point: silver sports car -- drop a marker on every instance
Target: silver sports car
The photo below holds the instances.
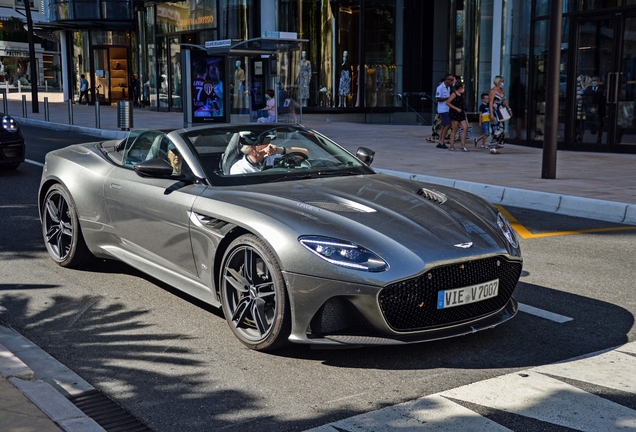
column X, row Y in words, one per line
column 296, row 239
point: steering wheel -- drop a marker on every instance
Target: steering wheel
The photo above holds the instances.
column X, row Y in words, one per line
column 289, row 160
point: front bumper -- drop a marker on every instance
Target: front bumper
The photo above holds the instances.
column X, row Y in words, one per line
column 335, row 313
column 12, row 150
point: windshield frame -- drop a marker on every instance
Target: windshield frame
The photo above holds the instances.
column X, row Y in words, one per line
column 209, row 155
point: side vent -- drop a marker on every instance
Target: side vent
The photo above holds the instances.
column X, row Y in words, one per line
column 211, row 222
column 431, row 195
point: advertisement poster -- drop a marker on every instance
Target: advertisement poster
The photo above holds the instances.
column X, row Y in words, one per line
column 207, row 88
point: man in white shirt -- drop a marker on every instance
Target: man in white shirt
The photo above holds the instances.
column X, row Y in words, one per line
column 441, row 95
column 254, row 157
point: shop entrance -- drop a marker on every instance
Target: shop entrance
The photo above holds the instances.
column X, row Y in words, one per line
column 111, row 74
column 605, row 87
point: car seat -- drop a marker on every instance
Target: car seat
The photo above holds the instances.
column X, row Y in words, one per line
column 232, row 153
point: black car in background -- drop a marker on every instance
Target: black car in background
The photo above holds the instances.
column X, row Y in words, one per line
column 11, row 143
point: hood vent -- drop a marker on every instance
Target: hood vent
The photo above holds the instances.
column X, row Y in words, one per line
column 431, row 195
column 342, row 207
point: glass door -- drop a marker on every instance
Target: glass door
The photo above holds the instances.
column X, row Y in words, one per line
column 624, row 95
column 101, row 80
column 605, row 86
column 174, row 45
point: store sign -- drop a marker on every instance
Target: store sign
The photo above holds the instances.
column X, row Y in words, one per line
column 168, row 13
column 279, row 35
column 218, row 43
column 202, row 20
column 9, row 53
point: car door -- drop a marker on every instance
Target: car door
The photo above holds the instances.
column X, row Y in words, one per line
column 151, row 216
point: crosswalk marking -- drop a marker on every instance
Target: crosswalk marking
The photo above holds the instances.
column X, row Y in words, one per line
column 536, row 394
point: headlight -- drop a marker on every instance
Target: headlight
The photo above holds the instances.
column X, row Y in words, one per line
column 507, row 230
column 344, row 254
column 9, row 124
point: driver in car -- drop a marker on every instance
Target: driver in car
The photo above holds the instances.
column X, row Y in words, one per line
column 258, row 156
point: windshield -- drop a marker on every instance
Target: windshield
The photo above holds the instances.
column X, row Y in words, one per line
column 268, row 153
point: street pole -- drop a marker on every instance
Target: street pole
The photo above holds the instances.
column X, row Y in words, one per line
column 32, row 59
column 548, row 169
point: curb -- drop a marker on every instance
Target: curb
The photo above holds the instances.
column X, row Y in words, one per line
column 609, row 211
column 101, row 133
column 50, row 401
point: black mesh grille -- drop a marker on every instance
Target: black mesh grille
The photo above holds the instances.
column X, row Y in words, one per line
column 412, row 304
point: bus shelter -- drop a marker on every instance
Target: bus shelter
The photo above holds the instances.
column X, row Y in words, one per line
column 231, row 81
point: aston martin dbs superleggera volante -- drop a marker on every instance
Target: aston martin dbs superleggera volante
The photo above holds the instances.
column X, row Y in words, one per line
column 295, row 238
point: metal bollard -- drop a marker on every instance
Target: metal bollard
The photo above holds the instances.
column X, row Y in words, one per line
column 19, row 86
column 24, row 109
column 70, row 111
column 124, row 115
column 46, row 109
column 97, row 119
column 5, row 102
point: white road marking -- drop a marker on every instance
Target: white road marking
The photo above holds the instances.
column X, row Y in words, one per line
column 537, row 396
column 528, row 393
column 543, row 313
column 34, row 162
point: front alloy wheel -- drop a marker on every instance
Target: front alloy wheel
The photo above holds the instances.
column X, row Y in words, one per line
column 60, row 226
column 253, row 295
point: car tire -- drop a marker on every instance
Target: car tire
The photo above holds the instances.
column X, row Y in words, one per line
column 61, row 229
column 253, row 296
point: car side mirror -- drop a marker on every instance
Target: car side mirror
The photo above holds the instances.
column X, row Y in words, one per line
column 365, row 155
column 156, row 168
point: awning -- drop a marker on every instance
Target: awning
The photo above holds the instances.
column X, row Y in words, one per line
column 7, row 13
column 256, row 46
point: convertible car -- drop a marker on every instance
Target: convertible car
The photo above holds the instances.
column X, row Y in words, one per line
column 311, row 246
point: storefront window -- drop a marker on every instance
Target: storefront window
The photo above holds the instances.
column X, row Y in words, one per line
column 237, row 19
column 149, row 82
column 596, row 4
column 327, row 74
column 379, row 37
column 516, row 63
column 540, row 53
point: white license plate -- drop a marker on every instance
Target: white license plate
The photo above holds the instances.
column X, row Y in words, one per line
column 469, row 294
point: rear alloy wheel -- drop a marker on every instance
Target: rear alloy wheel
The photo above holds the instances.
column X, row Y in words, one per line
column 253, row 295
column 60, row 227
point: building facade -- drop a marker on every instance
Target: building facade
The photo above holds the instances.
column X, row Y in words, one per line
column 374, row 60
column 14, row 48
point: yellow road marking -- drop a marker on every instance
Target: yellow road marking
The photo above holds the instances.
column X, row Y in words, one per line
column 523, row 232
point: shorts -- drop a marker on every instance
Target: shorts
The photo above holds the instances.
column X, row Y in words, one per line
column 446, row 121
column 485, row 127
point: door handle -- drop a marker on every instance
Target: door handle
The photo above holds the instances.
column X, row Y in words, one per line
column 616, row 86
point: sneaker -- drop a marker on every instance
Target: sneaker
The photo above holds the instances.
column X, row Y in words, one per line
column 475, row 141
column 494, row 151
column 442, row 146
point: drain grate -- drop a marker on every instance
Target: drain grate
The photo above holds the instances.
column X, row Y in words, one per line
column 107, row 413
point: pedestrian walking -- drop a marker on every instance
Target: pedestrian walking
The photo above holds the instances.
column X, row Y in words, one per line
column 136, row 88
column 484, row 120
column 457, row 111
column 441, row 95
column 83, row 89
column 499, row 113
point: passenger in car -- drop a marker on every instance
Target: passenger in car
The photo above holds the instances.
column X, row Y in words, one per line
column 174, row 157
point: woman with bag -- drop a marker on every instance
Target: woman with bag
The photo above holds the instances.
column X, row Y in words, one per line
column 499, row 113
column 457, row 113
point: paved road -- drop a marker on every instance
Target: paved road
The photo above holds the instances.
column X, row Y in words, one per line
column 175, row 365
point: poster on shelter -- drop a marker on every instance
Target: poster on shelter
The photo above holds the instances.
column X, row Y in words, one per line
column 207, row 88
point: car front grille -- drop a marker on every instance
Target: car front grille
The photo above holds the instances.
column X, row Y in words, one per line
column 412, row 304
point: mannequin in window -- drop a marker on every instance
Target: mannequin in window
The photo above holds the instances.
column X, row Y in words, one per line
column 239, row 86
column 304, row 77
column 345, row 80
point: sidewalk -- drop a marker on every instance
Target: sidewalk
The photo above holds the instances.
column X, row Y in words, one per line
column 595, row 185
